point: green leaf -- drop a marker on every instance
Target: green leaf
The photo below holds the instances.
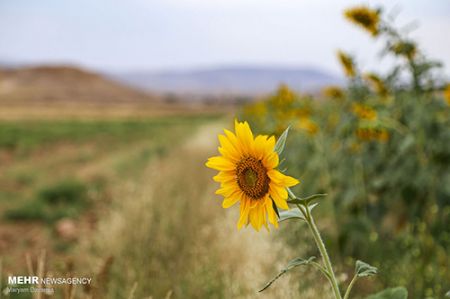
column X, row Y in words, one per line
column 295, row 213
column 305, row 200
column 363, row 269
column 392, row 293
column 312, row 206
column 292, row 264
column 291, row 214
column 279, row 146
column 447, row 294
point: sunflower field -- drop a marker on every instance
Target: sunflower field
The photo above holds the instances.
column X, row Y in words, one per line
column 380, row 148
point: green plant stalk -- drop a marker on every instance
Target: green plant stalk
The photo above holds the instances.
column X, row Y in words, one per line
column 350, row 286
column 323, row 251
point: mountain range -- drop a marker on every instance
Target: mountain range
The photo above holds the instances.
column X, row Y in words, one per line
column 239, row 80
column 215, row 81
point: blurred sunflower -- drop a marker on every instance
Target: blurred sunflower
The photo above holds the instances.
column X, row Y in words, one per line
column 377, row 84
column 404, row 48
column 248, row 175
column 447, row 94
column 333, row 92
column 306, row 124
column 364, row 112
column 364, row 17
column 257, row 111
column 347, row 64
column 372, row 134
column 284, row 96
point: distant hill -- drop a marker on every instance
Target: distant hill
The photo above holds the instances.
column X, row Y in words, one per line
column 59, row 84
column 229, row 80
column 67, row 92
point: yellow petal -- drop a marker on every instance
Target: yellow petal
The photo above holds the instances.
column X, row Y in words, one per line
column 233, row 140
column 228, row 147
column 225, row 153
column 230, row 201
column 262, row 215
column 220, row 163
column 243, row 219
column 271, row 212
column 260, row 146
column 289, row 181
column 227, row 190
column 279, row 195
column 281, row 179
column 272, row 215
column 224, row 177
column 252, row 203
column 245, row 136
column 271, row 160
column 253, row 215
column 271, row 143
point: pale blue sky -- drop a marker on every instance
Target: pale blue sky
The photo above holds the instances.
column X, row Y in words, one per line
column 125, row 35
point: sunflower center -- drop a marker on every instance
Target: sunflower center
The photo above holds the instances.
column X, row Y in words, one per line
column 252, row 177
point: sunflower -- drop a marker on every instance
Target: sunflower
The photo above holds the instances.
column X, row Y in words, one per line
column 248, row 175
column 283, row 97
column 447, row 94
column 377, row 84
column 306, row 124
column 406, row 49
column 347, row 64
column 364, row 17
column 333, row 92
column 364, row 112
column 372, row 134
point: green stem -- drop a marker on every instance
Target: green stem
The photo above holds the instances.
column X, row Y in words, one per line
column 350, row 286
column 323, row 252
column 323, row 270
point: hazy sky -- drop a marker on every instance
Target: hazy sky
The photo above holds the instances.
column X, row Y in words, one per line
column 166, row 34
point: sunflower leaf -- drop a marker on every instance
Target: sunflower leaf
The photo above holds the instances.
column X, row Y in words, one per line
column 305, row 200
column 363, row 269
column 312, row 206
column 291, row 214
column 279, row 146
column 292, row 264
column 295, row 213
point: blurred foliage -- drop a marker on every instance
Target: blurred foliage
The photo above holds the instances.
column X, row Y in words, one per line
column 67, row 198
column 47, row 165
column 380, row 147
column 25, row 136
column 393, row 293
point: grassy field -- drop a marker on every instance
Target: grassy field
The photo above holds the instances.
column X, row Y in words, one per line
column 57, row 156
column 130, row 204
column 53, row 169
